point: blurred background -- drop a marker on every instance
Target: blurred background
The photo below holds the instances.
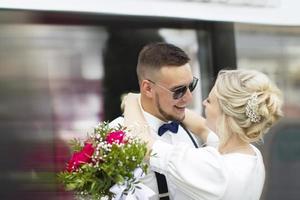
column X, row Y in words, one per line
column 64, row 70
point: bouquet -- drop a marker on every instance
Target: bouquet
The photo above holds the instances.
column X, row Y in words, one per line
column 109, row 157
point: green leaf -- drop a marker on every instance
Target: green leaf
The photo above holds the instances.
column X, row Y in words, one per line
column 75, row 145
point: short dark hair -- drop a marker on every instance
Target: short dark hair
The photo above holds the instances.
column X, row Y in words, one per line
column 156, row 55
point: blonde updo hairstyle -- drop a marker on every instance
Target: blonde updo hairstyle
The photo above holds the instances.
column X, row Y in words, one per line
column 233, row 89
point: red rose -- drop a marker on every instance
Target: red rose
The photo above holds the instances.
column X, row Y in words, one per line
column 88, row 150
column 115, row 137
column 79, row 158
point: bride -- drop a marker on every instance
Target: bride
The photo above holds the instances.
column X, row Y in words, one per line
column 240, row 109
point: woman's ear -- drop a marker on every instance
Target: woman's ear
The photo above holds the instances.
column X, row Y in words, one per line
column 147, row 88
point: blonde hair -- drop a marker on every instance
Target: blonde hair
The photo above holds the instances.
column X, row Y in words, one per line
column 234, row 89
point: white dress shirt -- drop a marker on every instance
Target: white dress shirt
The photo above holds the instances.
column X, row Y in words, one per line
column 170, row 138
column 205, row 174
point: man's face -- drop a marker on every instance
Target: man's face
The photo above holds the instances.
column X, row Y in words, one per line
column 169, row 79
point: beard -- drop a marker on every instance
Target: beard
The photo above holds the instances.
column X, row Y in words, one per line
column 168, row 117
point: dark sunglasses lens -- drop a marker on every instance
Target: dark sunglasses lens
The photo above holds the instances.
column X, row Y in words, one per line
column 193, row 84
column 179, row 92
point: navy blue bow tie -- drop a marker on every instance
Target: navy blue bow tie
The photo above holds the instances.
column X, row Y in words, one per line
column 173, row 127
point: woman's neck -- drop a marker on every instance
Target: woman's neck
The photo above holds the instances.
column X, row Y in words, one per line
column 236, row 145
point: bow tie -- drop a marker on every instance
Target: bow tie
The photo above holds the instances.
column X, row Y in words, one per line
column 172, row 126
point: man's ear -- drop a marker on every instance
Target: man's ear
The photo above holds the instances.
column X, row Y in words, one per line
column 147, row 88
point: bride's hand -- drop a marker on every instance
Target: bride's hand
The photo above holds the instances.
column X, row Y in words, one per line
column 132, row 111
column 129, row 98
column 196, row 123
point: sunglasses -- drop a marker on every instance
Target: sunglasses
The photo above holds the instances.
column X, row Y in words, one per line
column 180, row 91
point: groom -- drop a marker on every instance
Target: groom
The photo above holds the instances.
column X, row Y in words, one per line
column 166, row 84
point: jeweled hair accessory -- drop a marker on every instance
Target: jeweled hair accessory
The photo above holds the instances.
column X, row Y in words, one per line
column 252, row 109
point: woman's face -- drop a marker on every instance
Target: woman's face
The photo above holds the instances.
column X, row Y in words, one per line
column 212, row 110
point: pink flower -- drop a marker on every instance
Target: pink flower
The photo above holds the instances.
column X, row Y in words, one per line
column 79, row 158
column 116, row 137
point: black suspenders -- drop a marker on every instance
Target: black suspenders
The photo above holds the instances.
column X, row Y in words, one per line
column 190, row 135
column 162, row 185
column 161, row 179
